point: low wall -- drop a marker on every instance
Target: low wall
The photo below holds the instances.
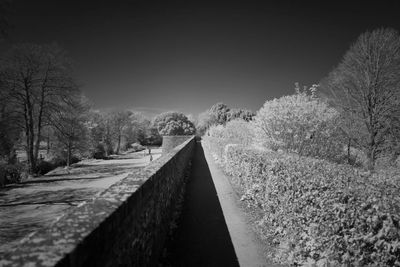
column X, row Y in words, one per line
column 125, row 226
column 171, row 141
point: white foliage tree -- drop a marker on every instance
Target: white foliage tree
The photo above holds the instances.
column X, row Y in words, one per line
column 299, row 123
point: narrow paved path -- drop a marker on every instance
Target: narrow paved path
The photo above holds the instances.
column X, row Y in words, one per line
column 202, row 237
column 248, row 246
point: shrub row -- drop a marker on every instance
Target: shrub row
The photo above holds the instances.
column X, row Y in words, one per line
column 317, row 212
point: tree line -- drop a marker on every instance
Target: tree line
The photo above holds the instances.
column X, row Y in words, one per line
column 356, row 106
column 42, row 108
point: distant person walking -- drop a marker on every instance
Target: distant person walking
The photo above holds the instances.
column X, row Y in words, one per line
column 151, row 156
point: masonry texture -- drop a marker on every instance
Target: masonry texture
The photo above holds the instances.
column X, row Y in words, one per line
column 169, row 142
column 125, row 226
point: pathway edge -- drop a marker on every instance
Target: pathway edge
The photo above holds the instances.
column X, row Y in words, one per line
column 243, row 238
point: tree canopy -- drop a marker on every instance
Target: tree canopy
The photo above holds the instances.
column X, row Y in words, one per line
column 220, row 114
column 299, row 123
column 365, row 88
column 36, row 80
column 173, row 123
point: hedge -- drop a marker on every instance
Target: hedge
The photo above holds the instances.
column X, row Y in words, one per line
column 317, row 212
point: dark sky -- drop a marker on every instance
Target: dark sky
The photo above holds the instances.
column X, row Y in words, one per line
column 187, row 55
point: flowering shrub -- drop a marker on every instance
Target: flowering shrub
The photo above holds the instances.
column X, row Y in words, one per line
column 317, row 212
column 299, row 123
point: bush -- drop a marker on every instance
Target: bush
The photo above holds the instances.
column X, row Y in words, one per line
column 62, row 161
column 357, row 157
column 44, row 167
column 299, row 123
column 10, row 173
column 318, row 212
column 99, row 152
column 137, row 147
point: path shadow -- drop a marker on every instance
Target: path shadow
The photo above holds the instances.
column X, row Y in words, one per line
column 202, row 237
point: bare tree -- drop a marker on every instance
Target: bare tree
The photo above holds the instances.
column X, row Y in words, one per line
column 102, row 131
column 120, row 123
column 107, row 138
column 365, row 87
column 141, row 126
column 37, row 80
column 70, row 126
column 97, row 131
column 9, row 132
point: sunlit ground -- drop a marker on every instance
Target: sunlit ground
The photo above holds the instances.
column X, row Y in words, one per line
column 39, row 202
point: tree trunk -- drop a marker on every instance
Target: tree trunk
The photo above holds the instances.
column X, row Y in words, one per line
column 31, row 156
column 119, row 144
column 69, row 153
column 38, row 137
column 39, row 123
column 29, row 131
column 371, row 161
column 37, row 144
column 30, row 137
column 12, row 157
column 28, row 158
column 348, row 150
column 48, row 143
column 371, row 152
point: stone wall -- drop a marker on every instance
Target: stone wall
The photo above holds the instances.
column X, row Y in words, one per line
column 171, row 141
column 125, row 226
